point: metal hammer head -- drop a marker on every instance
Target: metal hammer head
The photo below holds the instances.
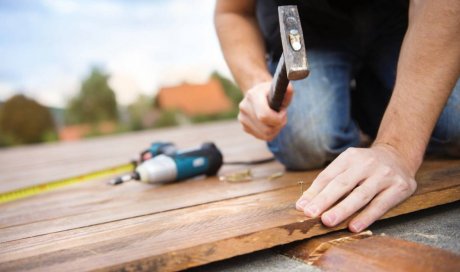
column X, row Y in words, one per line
column 294, row 53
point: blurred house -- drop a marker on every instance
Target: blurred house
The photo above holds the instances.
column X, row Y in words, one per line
column 195, row 99
column 76, row 132
column 72, row 133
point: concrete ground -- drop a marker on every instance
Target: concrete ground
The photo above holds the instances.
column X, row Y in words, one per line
column 437, row 227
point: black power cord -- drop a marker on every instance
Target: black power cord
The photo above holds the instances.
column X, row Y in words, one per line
column 254, row 162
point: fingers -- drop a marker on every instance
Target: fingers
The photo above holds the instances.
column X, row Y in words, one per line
column 341, row 185
column 375, row 177
column 258, row 130
column 257, row 118
column 334, row 169
column 383, row 202
column 357, row 199
column 263, row 112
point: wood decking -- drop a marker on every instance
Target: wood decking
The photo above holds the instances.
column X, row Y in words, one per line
column 136, row 226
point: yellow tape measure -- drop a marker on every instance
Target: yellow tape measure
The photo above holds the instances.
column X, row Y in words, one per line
column 40, row 188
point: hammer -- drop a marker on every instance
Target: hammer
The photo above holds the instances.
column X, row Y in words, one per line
column 293, row 61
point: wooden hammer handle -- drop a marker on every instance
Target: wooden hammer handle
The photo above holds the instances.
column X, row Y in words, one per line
column 279, row 86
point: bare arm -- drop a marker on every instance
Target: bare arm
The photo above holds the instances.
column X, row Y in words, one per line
column 244, row 51
column 241, row 42
column 429, row 66
column 380, row 177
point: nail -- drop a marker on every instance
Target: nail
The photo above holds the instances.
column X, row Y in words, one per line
column 311, row 211
column 302, row 203
column 301, row 187
column 357, row 227
column 329, row 218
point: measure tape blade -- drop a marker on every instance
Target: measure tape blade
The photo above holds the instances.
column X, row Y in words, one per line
column 40, row 188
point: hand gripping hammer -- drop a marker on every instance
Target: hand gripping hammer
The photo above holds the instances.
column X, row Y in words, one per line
column 293, row 61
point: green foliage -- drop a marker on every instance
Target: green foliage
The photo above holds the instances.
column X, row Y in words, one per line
column 167, row 118
column 138, row 110
column 24, row 121
column 50, row 136
column 230, row 89
column 95, row 103
column 94, row 132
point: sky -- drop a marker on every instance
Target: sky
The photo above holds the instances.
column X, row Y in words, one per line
column 47, row 47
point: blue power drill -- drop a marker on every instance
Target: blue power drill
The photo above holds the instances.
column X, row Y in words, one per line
column 178, row 165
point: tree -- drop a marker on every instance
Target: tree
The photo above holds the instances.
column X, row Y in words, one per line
column 24, row 121
column 139, row 111
column 168, row 118
column 95, row 103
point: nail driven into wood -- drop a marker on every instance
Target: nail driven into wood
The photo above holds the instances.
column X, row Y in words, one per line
column 301, row 186
column 229, row 233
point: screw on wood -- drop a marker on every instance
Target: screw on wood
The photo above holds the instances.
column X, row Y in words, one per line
column 301, row 186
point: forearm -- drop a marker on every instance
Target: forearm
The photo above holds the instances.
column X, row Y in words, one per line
column 429, row 66
column 241, row 42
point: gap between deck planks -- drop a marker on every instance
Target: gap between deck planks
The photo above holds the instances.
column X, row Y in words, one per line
column 200, row 234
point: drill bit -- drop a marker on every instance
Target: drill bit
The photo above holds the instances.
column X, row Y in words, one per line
column 120, row 180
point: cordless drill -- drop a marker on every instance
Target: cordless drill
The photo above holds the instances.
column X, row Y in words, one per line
column 180, row 165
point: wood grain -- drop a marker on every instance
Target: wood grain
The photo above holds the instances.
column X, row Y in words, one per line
column 93, row 226
column 200, row 234
column 382, row 253
column 310, row 250
column 30, row 165
column 125, row 203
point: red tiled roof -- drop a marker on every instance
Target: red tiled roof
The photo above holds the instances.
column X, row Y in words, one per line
column 195, row 99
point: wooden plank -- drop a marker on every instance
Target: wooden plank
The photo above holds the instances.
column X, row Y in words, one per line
column 187, row 237
column 124, row 202
column 311, row 250
column 98, row 195
column 97, row 203
column 30, row 165
column 382, row 253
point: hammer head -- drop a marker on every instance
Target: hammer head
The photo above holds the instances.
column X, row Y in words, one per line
column 294, row 53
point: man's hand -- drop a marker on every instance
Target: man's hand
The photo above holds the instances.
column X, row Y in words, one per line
column 257, row 117
column 377, row 175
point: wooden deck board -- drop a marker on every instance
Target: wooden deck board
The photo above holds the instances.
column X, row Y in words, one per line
column 381, row 253
column 137, row 226
column 30, row 165
column 186, row 237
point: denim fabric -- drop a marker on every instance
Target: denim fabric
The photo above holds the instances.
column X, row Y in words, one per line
column 445, row 139
column 343, row 94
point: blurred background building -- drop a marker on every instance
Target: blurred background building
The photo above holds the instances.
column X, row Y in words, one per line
column 71, row 69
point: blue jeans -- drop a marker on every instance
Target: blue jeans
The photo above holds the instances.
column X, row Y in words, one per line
column 344, row 94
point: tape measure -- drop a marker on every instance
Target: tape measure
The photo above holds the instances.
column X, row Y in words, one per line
column 40, row 188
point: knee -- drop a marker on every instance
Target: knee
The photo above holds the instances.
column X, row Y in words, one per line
column 453, row 110
column 445, row 139
column 307, row 150
column 449, row 147
column 453, row 148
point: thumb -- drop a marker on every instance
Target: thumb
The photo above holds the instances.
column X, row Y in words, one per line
column 288, row 96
